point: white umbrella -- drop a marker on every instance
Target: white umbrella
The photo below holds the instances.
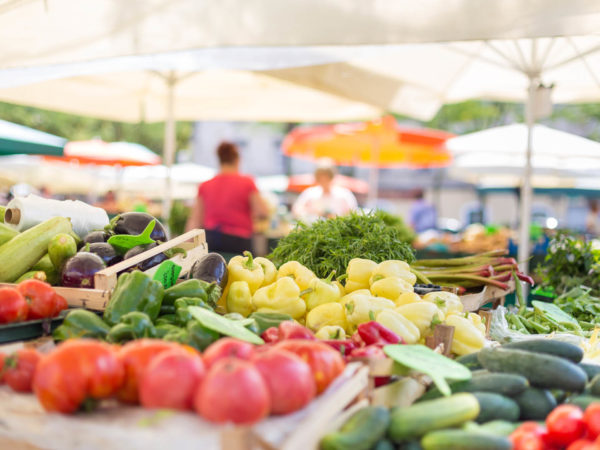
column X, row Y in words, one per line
column 36, row 32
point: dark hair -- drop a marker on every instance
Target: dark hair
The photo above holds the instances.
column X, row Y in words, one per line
column 227, row 152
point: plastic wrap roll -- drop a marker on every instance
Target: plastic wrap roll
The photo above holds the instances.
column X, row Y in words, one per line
column 23, row 213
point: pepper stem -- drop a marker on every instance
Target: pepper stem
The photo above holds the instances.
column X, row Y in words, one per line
column 329, row 277
column 250, row 261
column 305, row 291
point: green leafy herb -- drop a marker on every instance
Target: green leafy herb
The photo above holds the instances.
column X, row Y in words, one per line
column 329, row 244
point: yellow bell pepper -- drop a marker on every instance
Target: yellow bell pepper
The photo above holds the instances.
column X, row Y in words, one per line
column 359, row 271
column 326, row 314
column 448, row 302
column 475, row 319
column 321, row 292
column 393, row 268
column 243, row 268
column 239, row 298
column 296, row 271
column 283, row 296
column 407, row 298
column 340, row 288
column 331, row 332
column 391, row 287
column 467, row 337
column 364, row 308
column 400, row 325
column 424, row 315
column 269, row 270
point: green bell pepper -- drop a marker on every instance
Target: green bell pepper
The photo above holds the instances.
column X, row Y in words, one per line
column 167, row 309
column 164, row 329
column 265, row 320
column 199, row 336
column 81, row 323
column 135, row 291
column 133, row 325
column 188, row 288
column 182, row 315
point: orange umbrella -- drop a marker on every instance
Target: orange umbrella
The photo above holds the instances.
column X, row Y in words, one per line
column 298, row 183
column 96, row 151
column 380, row 143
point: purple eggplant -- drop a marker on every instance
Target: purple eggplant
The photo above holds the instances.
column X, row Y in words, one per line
column 211, row 268
column 135, row 223
column 79, row 270
column 95, row 236
column 148, row 263
column 105, row 251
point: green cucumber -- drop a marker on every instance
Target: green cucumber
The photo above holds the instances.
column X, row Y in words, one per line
column 19, row 254
column 464, row 440
column 498, row 427
column 545, row 371
column 594, row 385
column 470, row 361
column 591, row 370
column 6, row 233
column 583, row 401
column 420, row 418
column 500, row 383
column 496, row 407
column 60, row 248
column 360, row 432
column 46, row 266
column 535, row 404
column 550, row 347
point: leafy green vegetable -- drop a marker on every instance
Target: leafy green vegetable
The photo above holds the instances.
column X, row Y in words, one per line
column 329, row 244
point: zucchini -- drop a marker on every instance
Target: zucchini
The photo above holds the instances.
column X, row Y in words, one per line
column 583, row 401
column 545, row 371
column 420, row 418
column 550, row 347
column 470, row 361
column 500, row 383
column 60, row 248
column 2, row 211
column 591, row 370
column 6, row 233
column 361, row 431
column 464, row 440
column 496, row 407
column 19, row 254
column 32, row 274
column 595, row 386
column 46, row 266
column 535, row 404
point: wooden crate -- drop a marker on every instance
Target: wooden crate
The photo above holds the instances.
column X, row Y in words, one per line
column 113, row 426
column 489, row 294
column 106, row 279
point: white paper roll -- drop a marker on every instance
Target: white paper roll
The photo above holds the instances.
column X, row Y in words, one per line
column 34, row 210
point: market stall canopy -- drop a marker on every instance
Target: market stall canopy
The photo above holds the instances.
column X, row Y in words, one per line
column 501, row 151
column 59, row 31
column 18, row 139
column 98, row 152
column 380, row 143
column 298, row 183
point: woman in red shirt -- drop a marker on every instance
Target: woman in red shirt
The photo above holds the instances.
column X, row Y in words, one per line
column 227, row 204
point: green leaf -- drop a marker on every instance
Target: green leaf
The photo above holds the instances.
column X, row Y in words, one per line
column 554, row 312
column 125, row 242
column 167, row 273
column 424, row 360
column 220, row 324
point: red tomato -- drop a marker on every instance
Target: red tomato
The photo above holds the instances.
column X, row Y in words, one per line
column 289, row 380
column 565, row 424
column 171, row 380
column 13, row 306
column 135, row 357
column 76, row 370
column 583, row 444
column 19, row 369
column 40, row 297
column 325, row 363
column 233, row 391
column 227, row 347
column 289, row 329
column 60, row 303
column 591, row 417
column 529, row 436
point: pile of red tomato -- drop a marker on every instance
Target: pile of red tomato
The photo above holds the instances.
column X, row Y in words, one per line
column 567, row 427
column 232, row 381
column 29, row 300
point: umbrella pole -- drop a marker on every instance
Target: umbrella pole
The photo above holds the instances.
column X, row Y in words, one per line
column 526, row 190
column 169, row 144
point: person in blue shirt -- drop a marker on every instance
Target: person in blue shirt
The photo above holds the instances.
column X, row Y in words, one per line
column 423, row 215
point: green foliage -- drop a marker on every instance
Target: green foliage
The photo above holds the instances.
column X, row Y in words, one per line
column 76, row 128
column 569, row 263
column 178, row 217
column 329, row 244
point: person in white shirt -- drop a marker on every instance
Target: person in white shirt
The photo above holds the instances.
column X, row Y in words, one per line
column 325, row 199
